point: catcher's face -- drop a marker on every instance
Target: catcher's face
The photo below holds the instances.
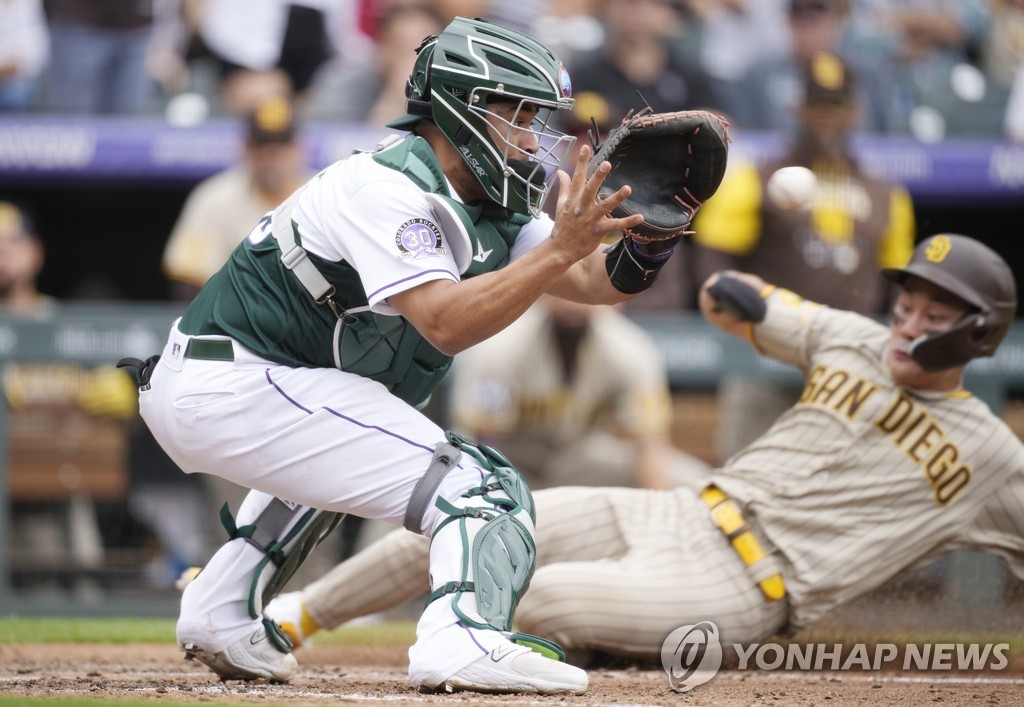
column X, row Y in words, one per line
column 921, row 309
column 512, row 126
column 529, row 149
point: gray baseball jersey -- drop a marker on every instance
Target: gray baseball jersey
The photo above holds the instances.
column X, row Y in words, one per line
column 858, row 481
column 863, row 478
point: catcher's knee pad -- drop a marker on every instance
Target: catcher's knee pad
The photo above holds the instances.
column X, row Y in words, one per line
column 495, row 524
column 286, row 533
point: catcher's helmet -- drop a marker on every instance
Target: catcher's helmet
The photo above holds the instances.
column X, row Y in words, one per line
column 470, row 63
column 974, row 273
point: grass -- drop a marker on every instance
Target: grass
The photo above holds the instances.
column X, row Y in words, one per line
column 15, row 629
column 402, row 633
column 22, row 701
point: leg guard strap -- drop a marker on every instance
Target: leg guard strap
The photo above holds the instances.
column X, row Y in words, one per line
column 286, row 551
column 504, row 476
column 445, row 458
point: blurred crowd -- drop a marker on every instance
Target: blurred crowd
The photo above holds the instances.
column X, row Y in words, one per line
column 928, row 68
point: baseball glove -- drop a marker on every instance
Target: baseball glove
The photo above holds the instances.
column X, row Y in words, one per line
column 673, row 162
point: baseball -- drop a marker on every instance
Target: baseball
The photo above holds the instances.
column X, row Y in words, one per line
column 792, row 188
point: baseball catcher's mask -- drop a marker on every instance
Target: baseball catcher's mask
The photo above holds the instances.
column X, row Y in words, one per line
column 974, row 273
column 456, row 81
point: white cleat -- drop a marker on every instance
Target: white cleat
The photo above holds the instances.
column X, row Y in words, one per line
column 289, row 611
column 249, row 658
column 513, row 668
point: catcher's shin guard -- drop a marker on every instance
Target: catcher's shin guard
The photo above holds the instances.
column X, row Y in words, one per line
column 492, row 525
column 286, row 533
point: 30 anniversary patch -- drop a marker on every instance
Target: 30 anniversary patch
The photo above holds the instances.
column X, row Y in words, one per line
column 419, row 238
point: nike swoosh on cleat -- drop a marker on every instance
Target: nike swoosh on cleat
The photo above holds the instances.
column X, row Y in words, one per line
column 257, row 637
column 499, row 653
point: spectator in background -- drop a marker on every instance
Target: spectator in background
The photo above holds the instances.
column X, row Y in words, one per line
column 220, row 211
column 561, row 394
column 262, row 49
column 570, row 27
column 24, row 52
column 933, row 45
column 1002, row 55
column 771, row 89
column 736, row 35
column 98, row 56
column 371, row 89
column 1013, row 121
column 643, row 54
column 645, row 57
column 1002, row 49
column 927, row 36
column 830, row 252
column 21, row 260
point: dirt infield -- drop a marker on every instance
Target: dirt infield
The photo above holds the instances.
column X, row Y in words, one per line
column 372, row 674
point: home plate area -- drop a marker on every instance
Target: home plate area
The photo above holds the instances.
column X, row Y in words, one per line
column 367, row 674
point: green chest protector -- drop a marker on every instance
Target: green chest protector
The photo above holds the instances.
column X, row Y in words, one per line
column 491, row 229
column 385, row 348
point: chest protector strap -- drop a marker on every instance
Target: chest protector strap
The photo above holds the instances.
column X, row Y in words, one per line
column 295, row 258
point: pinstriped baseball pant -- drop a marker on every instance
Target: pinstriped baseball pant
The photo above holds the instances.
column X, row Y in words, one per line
column 618, row 569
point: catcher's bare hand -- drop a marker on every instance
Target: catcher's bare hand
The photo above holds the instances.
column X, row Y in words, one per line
column 583, row 217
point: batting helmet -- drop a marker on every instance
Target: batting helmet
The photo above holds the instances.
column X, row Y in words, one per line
column 974, row 273
column 470, row 63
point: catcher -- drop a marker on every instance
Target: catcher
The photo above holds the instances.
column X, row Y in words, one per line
column 299, row 369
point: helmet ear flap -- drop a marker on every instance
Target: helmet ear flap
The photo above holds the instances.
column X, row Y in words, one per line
column 934, row 352
column 973, row 336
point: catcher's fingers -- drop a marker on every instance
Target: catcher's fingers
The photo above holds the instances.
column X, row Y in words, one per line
column 571, row 188
column 584, row 189
column 596, row 209
column 583, row 196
